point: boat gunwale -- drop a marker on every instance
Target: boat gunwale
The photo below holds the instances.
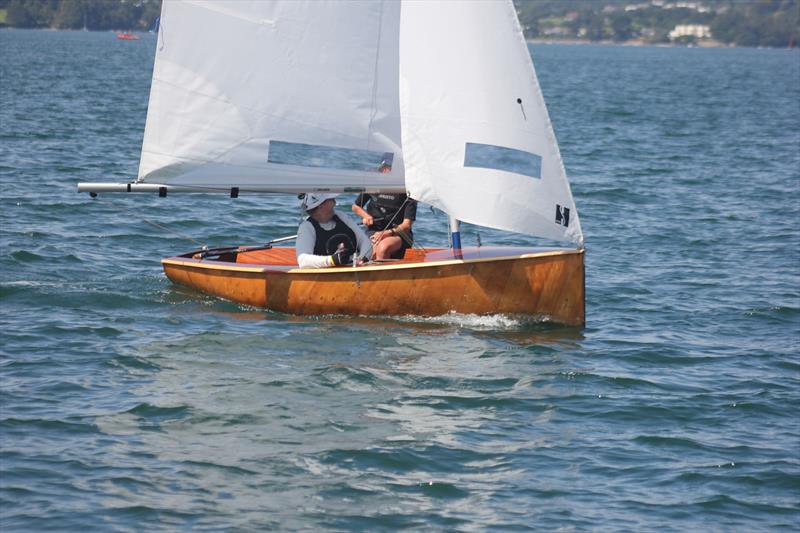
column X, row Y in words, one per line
column 291, row 269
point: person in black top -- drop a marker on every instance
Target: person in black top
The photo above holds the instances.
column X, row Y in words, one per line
column 326, row 239
column 389, row 219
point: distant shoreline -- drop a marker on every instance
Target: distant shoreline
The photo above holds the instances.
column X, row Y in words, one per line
column 701, row 44
column 634, row 42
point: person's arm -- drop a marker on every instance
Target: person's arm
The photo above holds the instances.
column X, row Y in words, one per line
column 405, row 225
column 366, row 218
column 363, row 243
column 402, row 230
column 304, row 248
column 409, row 215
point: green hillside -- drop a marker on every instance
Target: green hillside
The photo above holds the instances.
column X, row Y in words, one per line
column 773, row 23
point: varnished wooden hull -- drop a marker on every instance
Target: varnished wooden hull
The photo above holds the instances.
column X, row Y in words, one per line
column 542, row 283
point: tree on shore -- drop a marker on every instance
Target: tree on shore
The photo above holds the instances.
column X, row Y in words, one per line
column 763, row 23
column 80, row 14
column 744, row 23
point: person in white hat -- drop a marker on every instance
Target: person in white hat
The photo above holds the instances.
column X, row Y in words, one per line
column 327, row 239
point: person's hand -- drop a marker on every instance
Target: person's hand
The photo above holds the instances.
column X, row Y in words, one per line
column 378, row 236
column 368, row 220
column 342, row 257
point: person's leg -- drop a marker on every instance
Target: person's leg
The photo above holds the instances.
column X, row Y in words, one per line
column 400, row 253
column 388, row 246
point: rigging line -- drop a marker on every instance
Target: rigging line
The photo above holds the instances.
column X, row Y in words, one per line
column 155, row 224
column 401, row 208
column 414, row 242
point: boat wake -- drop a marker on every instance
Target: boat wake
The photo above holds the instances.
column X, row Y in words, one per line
column 478, row 322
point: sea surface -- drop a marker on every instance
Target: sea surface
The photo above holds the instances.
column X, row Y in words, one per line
column 131, row 404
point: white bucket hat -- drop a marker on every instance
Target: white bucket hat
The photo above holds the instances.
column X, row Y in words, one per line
column 310, row 200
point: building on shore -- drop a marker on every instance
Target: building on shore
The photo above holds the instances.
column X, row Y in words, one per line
column 698, row 31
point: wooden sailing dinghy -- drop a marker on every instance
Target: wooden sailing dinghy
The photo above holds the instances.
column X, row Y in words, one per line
column 543, row 283
column 293, row 96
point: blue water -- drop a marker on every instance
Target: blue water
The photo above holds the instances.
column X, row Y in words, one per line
column 130, row 404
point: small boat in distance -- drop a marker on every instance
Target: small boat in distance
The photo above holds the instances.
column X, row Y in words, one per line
column 435, row 99
column 125, row 36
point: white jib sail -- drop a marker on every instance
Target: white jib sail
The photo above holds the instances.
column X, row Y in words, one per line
column 476, row 136
column 275, row 96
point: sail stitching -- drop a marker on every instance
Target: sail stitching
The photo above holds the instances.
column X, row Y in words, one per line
column 375, row 78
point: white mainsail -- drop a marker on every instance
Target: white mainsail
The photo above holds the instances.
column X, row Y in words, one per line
column 231, row 77
column 467, row 82
column 266, row 95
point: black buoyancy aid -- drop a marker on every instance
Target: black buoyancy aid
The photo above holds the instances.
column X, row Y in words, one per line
column 385, row 210
column 327, row 241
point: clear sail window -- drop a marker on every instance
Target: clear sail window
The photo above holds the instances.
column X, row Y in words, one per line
column 502, row 158
column 318, row 156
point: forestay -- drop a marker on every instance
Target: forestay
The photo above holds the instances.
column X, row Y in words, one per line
column 275, row 96
column 476, row 136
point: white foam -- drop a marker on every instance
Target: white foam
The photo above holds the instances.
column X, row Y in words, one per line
column 477, row 322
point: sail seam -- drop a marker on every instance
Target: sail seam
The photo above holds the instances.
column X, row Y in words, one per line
column 228, row 13
column 375, row 79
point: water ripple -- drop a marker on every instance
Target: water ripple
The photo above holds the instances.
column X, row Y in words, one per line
column 129, row 404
